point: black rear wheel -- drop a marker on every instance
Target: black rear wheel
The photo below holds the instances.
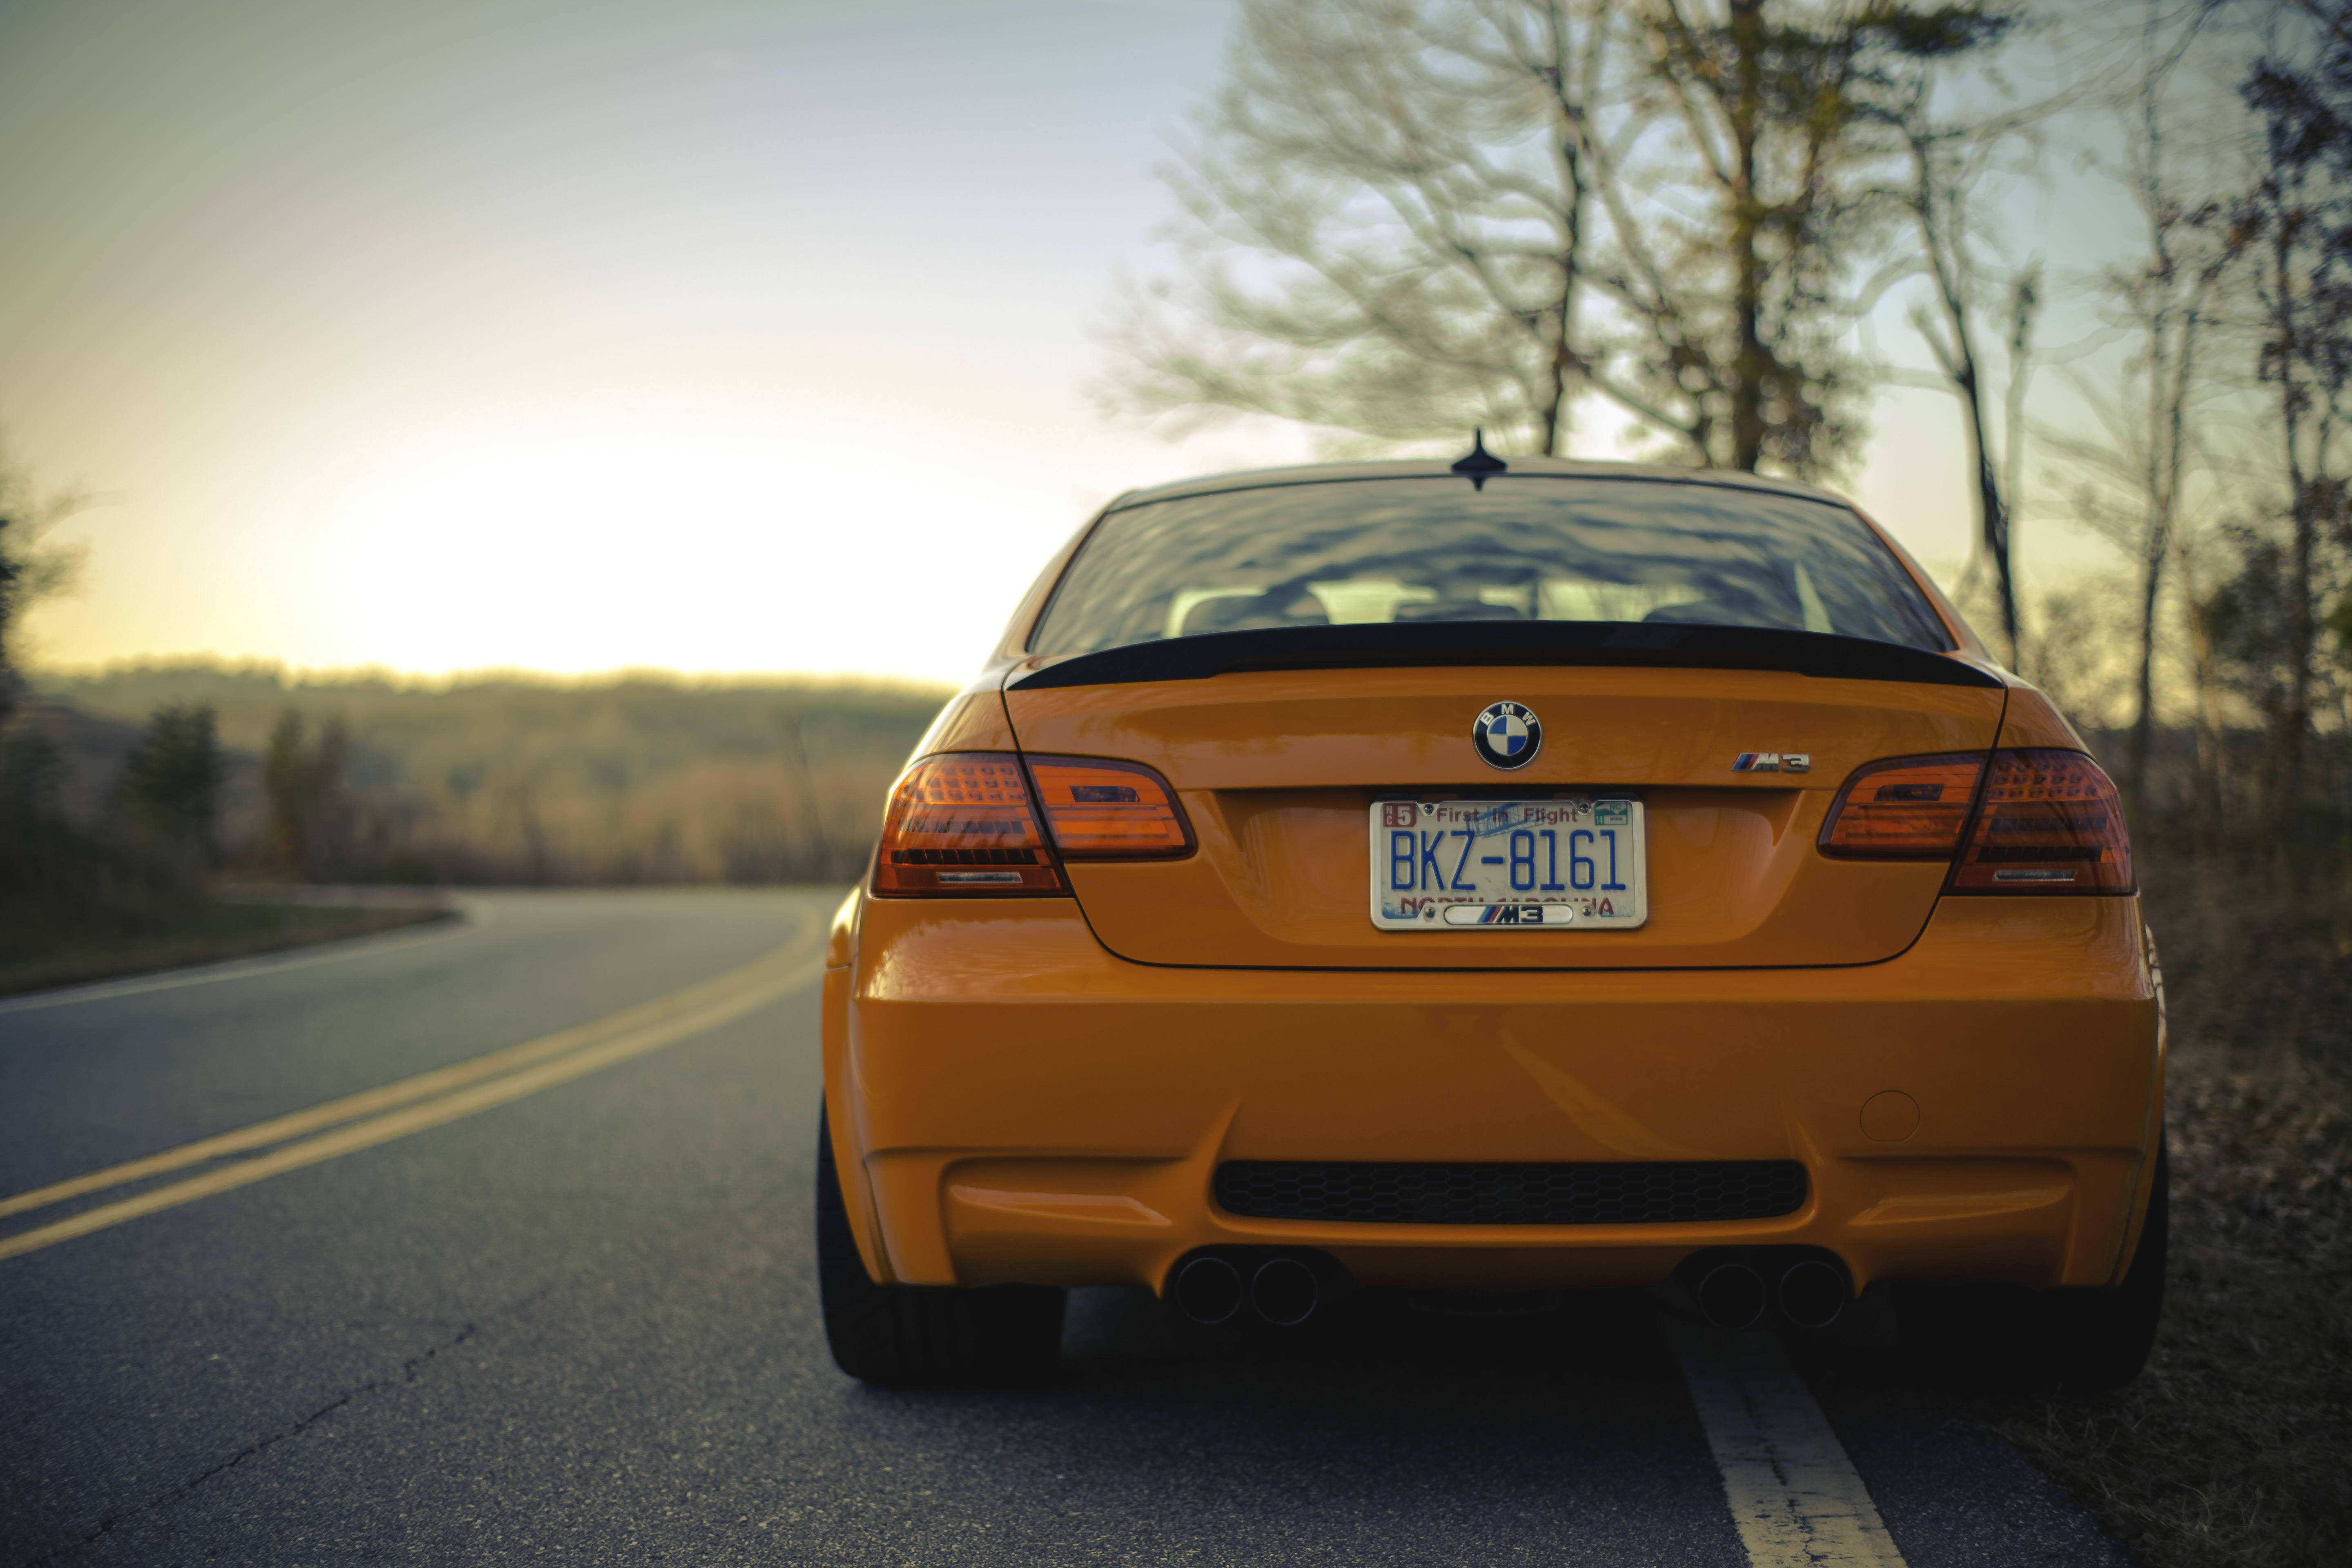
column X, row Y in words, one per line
column 2084, row 1340
column 915, row 1334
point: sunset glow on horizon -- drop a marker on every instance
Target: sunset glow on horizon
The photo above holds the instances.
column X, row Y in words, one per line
column 715, row 337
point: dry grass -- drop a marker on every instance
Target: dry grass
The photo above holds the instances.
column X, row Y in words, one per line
column 520, row 779
column 40, row 958
column 2235, row 1446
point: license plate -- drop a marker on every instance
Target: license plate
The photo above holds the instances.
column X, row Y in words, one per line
column 1509, row 865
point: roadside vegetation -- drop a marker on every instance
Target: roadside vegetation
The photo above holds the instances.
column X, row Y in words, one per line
column 112, row 877
column 512, row 778
column 130, row 801
column 2235, row 1445
column 130, row 937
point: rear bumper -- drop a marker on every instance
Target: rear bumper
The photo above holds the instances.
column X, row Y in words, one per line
column 1012, row 1103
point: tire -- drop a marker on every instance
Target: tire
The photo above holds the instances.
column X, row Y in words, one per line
column 2084, row 1339
column 913, row 1335
column 2092, row 1341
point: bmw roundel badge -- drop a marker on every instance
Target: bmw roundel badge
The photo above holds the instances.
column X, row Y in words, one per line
column 1508, row 735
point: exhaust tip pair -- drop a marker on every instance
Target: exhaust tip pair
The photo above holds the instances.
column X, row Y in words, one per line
column 1802, row 1290
column 1212, row 1288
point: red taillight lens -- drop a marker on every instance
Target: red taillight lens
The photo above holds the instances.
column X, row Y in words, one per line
column 1109, row 811
column 1905, row 808
column 962, row 823
column 2051, row 822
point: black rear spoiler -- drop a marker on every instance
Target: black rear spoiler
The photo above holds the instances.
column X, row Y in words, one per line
column 1621, row 644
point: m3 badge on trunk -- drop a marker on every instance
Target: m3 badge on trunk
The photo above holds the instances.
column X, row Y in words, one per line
column 1508, row 735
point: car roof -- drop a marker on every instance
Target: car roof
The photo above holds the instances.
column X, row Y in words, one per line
column 1442, row 468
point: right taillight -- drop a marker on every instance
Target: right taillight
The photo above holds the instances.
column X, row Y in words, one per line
column 2015, row 821
column 2051, row 822
column 964, row 823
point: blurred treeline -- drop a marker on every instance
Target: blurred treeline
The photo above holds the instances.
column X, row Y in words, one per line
column 250, row 773
column 59, row 870
column 130, row 799
column 1735, row 226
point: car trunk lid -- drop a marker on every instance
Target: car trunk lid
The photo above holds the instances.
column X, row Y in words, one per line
column 1278, row 770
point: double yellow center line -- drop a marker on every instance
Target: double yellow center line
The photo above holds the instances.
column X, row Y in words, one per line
column 361, row 1120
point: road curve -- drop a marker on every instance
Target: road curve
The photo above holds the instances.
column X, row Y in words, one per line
column 571, row 1320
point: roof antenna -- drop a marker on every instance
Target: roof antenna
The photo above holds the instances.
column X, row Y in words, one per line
column 1479, row 464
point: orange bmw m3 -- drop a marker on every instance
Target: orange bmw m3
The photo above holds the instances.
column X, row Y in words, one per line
column 1491, row 876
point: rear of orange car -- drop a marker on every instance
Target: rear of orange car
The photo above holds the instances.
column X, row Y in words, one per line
column 1565, row 877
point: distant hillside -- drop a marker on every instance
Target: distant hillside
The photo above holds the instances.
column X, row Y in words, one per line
column 516, row 778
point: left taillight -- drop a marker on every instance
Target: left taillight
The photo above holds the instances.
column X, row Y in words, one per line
column 1101, row 810
column 964, row 823
column 1903, row 808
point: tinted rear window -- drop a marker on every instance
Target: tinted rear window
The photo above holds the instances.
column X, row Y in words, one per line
column 1525, row 548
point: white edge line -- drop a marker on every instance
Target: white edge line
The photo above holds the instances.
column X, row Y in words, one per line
column 472, row 915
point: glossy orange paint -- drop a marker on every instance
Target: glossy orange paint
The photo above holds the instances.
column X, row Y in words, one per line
column 1024, row 1105
column 1269, row 767
column 1039, row 1089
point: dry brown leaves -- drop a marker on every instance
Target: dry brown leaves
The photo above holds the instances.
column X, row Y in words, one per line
column 2235, row 1445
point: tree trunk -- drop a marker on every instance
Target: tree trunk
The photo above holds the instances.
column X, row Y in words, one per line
column 1553, row 416
column 1992, row 509
column 1748, row 376
column 2300, row 635
column 2294, row 720
column 2210, row 825
column 2144, row 724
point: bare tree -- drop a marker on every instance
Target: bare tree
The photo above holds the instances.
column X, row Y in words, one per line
column 1407, row 217
column 2298, row 214
column 308, row 798
column 1951, row 158
column 2195, row 551
column 1388, row 202
column 1786, row 121
column 2163, row 305
column 30, row 568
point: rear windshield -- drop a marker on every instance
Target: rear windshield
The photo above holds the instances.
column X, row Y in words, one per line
column 1529, row 548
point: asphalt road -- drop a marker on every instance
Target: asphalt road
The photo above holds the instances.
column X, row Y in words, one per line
column 578, row 1326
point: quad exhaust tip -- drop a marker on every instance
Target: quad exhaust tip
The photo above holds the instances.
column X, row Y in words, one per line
column 1208, row 1289
column 1282, row 1288
column 1284, row 1292
column 1811, row 1294
column 1756, row 1288
column 1732, row 1295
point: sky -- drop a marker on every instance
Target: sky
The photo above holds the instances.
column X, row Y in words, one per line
column 713, row 337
